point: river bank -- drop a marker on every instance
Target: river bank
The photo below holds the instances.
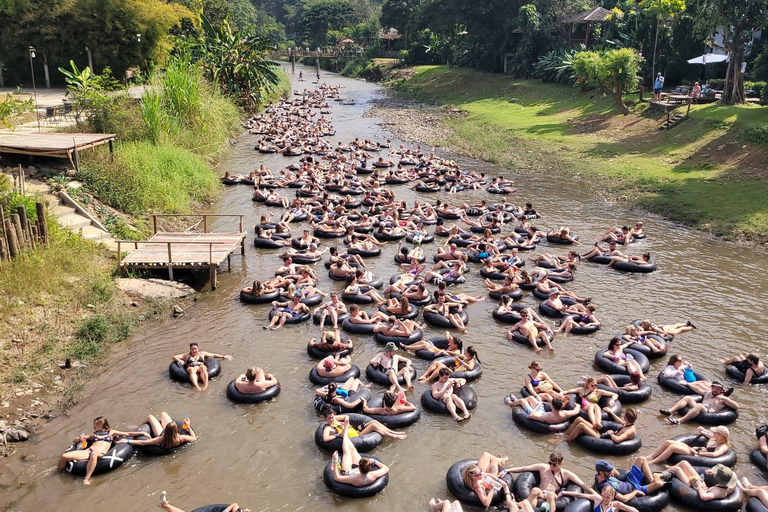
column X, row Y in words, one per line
column 709, row 172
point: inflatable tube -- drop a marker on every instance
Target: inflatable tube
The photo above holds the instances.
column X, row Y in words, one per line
column 626, row 266
column 607, row 446
column 699, row 441
column 381, row 378
column 413, row 313
column 301, row 317
column 608, row 366
column 396, row 181
column 157, row 450
column 651, row 502
column 328, row 320
column 251, row 398
column 351, row 491
column 465, row 392
column 602, row 260
column 426, row 239
column 376, row 282
column 399, row 340
column 547, row 310
column 428, row 355
column 687, row 496
column 304, row 260
column 514, row 295
column 559, row 241
column 421, row 302
column 527, row 480
column 362, row 392
column 646, row 350
column 436, row 320
column 261, row 299
column 321, row 381
column 468, row 375
column 738, row 375
column 268, row 243
column 521, row 418
column 560, row 279
column 387, row 237
column 491, row 275
column 393, row 421
column 117, row 455
column 357, row 328
column 724, row 417
column 221, row 507
column 508, row 318
column 519, row 338
column 676, row 387
column 580, row 505
column 366, row 253
column 179, row 374
column 454, row 479
column 399, row 260
column 626, row 397
column 755, row 505
column 363, row 443
column 364, row 229
column 758, row 459
column 582, row 329
column 356, row 298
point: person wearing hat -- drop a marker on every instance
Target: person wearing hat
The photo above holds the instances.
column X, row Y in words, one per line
column 715, row 400
column 394, row 366
column 717, row 445
column 640, row 480
column 719, row 481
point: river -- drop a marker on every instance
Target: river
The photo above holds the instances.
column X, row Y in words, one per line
column 264, row 456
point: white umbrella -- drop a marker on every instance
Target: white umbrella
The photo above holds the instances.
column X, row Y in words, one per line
column 708, row 58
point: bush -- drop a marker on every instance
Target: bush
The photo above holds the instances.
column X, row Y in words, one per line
column 9, row 201
column 758, row 87
column 94, row 329
column 146, row 178
column 756, row 133
column 556, row 66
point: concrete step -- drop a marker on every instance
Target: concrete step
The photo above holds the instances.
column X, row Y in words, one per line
column 61, row 209
column 74, row 221
column 93, row 233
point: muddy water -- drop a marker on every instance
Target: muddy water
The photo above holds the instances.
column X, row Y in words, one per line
column 264, row 456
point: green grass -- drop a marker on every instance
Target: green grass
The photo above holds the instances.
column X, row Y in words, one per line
column 679, row 173
column 146, row 177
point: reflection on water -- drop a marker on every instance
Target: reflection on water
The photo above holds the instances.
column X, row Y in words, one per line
column 264, row 456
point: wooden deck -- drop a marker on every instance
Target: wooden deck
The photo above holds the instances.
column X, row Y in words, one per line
column 183, row 250
column 56, row 145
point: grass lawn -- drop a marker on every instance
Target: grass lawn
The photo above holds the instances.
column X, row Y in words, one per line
column 709, row 171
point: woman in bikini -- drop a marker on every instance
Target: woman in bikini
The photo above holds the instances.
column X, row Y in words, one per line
column 461, row 363
column 604, row 502
column 616, row 354
column 100, row 443
column 626, row 432
column 589, row 396
column 717, row 445
column 539, row 384
column 166, row 433
column 194, row 364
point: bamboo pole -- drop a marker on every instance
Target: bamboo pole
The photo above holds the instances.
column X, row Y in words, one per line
column 2, row 225
column 13, row 243
column 40, row 206
column 4, row 256
column 16, row 223
column 21, row 210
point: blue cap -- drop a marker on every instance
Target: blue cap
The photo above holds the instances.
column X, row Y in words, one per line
column 603, row 465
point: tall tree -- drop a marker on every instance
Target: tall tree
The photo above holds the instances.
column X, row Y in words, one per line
column 662, row 11
column 738, row 21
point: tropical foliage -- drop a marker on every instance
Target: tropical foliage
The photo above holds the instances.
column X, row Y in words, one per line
column 612, row 71
column 237, row 63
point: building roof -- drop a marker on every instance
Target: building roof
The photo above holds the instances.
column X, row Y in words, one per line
column 390, row 34
column 595, row 15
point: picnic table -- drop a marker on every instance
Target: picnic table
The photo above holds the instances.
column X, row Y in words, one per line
column 678, row 98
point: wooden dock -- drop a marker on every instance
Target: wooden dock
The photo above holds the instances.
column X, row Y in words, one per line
column 183, row 250
column 56, row 145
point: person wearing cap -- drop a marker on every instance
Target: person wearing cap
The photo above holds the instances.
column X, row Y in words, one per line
column 332, row 308
column 639, row 481
column 715, row 400
column 658, row 83
column 719, row 481
column 532, row 330
column 554, row 300
column 394, row 366
column 717, row 445
column 334, row 366
column 552, row 479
